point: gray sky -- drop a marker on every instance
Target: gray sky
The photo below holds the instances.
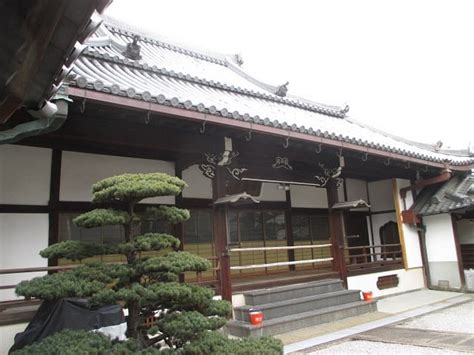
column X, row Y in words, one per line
column 405, row 66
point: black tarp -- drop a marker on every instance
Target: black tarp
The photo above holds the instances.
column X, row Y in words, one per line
column 67, row 313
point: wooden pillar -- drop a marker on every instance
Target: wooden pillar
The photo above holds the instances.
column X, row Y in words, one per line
column 53, row 217
column 458, row 251
column 178, row 229
column 219, row 224
column 289, row 230
column 336, row 231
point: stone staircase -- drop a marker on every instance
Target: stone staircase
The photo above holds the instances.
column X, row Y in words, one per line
column 292, row 307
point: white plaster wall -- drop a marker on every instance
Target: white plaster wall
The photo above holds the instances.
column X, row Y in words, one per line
column 308, row 197
column 271, row 192
column 441, row 250
column 409, row 233
column 440, row 245
column 356, row 189
column 466, row 231
column 199, row 185
column 22, row 236
column 7, row 335
column 381, row 195
column 408, row 280
column 80, row 170
column 24, row 175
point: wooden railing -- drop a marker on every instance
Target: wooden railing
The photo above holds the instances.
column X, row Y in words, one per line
column 368, row 258
column 15, row 303
column 27, row 302
column 282, row 263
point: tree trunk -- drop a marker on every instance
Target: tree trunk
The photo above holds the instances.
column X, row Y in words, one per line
column 134, row 323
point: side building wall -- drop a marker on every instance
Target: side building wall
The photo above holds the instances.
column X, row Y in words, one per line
column 441, row 251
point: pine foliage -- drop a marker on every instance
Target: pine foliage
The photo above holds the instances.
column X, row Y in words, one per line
column 186, row 316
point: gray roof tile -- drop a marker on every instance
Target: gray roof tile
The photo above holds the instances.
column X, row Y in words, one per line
column 170, row 74
column 452, row 195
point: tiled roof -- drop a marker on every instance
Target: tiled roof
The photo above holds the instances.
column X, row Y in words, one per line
column 215, row 84
column 455, row 194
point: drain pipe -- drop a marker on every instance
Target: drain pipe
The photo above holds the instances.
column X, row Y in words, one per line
column 48, row 119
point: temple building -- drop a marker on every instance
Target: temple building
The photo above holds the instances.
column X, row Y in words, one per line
column 282, row 190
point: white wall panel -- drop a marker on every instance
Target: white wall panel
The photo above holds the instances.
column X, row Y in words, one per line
column 80, row 170
column 440, row 245
column 24, row 175
column 199, row 185
column 408, row 280
column 22, row 236
column 381, row 195
column 271, row 192
column 356, row 189
column 308, row 197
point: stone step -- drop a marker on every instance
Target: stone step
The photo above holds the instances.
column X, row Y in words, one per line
column 283, row 293
column 298, row 305
column 300, row 320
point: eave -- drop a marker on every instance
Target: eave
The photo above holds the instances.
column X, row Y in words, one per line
column 291, row 133
column 39, row 40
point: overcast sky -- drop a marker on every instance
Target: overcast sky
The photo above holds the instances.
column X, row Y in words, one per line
column 404, row 66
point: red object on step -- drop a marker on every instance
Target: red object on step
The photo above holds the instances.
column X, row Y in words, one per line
column 256, row 317
column 367, row 295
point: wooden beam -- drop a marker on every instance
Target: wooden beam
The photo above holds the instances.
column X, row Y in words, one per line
column 179, row 227
column 289, row 230
column 219, row 229
column 398, row 214
column 458, row 251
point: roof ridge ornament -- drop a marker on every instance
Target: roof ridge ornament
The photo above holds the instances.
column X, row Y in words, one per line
column 238, row 59
column 133, row 49
column 282, row 90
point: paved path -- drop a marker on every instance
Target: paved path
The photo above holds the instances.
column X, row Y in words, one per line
column 421, row 337
column 446, row 331
column 390, row 307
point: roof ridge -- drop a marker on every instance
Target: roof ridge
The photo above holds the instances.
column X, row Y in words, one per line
column 276, row 88
column 231, row 61
column 117, row 26
column 211, row 83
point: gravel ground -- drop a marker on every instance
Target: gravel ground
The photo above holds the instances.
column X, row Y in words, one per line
column 458, row 319
column 373, row 347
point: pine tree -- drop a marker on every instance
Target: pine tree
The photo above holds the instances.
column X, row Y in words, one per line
column 145, row 285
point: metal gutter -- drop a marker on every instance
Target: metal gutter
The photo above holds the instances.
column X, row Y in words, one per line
column 49, row 118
